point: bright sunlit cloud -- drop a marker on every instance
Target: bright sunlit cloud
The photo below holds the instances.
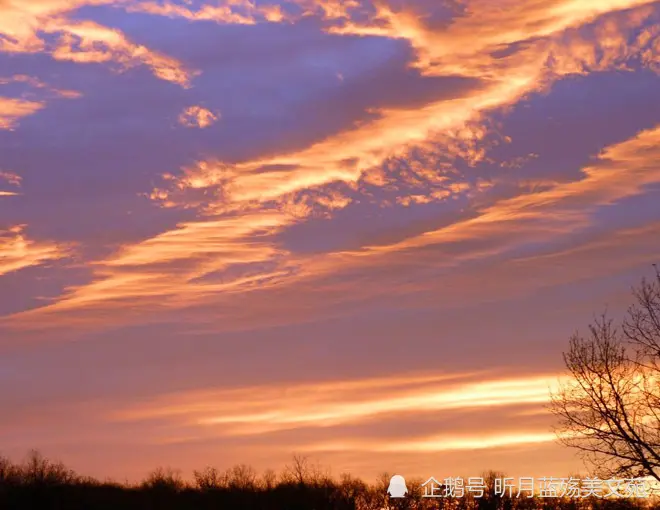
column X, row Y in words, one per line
column 197, row 116
column 262, row 410
column 12, row 110
column 18, row 251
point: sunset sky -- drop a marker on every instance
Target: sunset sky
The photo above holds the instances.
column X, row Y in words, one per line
column 357, row 230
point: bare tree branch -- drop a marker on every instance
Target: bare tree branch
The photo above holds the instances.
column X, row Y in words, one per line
column 610, row 408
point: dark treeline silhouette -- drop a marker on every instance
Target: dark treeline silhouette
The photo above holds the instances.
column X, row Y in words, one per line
column 38, row 483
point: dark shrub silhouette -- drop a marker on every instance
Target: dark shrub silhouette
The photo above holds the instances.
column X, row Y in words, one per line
column 40, row 484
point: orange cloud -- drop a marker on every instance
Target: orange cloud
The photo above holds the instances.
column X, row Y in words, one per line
column 12, row 110
column 262, row 410
column 441, row 443
column 21, row 24
column 347, row 156
column 231, row 254
column 11, row 178
column 623, row 170
column 220, row 13
column 352, row 155
column 17, row 251
column 248, row 203
column 467, row 45
column 197, row 116
column 38, row 84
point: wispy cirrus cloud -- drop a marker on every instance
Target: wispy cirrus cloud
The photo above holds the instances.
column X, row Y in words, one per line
column 229, row 257
column 354, row 154
column 362, row 161
column 24, row 28
column 622, row 170
column 18, row 251
column 235, row 12
column 12, row 110
column 441, row 443
column 336, row 404
column 240, row 252
column 11, row 179
column 37, row 84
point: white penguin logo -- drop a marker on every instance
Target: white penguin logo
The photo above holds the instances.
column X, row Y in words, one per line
column 397, row 488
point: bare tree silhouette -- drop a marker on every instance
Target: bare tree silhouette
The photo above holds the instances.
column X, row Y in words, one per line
column 41, row 471
column 164, row 479
column 242, row 477
column 302, row 472
column 610, row 408
column 209, row 479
